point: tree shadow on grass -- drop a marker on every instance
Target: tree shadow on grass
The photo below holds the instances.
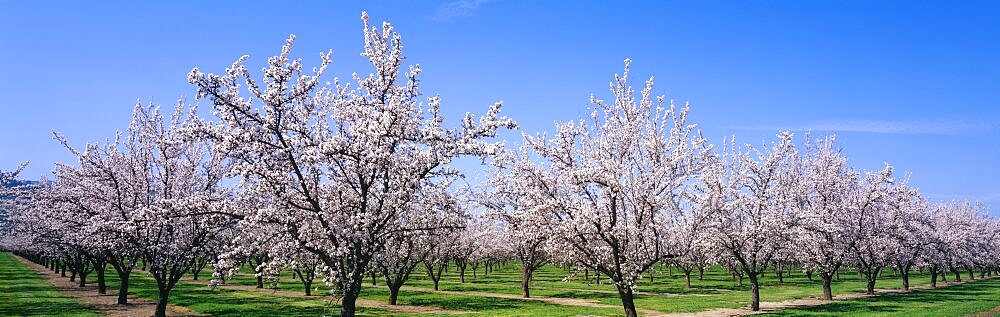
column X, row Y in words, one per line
column 913, row 302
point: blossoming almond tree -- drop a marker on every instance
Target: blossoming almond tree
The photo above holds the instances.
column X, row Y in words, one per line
column 340, row 162
column 522, row 229
column 472, row 245
column 108, row 186
column 907, row 211
column 748, row 198
column 435, row 209
column 611, row 187
column 870, row 248
column 187, row 206
column 7, row 197
column 821, row 200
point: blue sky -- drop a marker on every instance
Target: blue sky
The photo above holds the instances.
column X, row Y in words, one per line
column 912, row 83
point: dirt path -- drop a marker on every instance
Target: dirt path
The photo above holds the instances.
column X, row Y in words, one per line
column 990, row 313
column 551, row 300
column 105, row 304
column 604, row 291
column 770, row 307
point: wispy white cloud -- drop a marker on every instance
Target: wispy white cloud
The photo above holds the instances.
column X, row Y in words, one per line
column 990, row 199
column 930, row 127
column 456, row 9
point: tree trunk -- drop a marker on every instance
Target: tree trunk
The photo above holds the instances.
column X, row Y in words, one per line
column 627, row 301
column 827, row 290
column 461, row 274
column 958, row 276
column 905, row 274
column 62, row 269
column 348, row 307
column 972, row 274
column 308, row 285
column 525, row 280
column 161, row 303
column 394, row 292
column 260, row 281
column 83, row 279
column 754, row 292
column 102, row 286
column 701, row 273
column 687, row 279
column 123, row 288
column 934, row 277
column 870, row 287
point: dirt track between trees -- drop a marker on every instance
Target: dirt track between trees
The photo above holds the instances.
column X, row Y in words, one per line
column 105, row 304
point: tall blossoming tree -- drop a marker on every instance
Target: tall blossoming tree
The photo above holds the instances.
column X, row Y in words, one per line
column 907, row 212
column 522, row 229
column 750, row 217
column 610, row 188
column 340, row 163
column 187, row 206
column 7, row 195
column 821, row 200
column 871, row 248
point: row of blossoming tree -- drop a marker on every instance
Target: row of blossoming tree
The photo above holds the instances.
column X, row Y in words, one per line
column 340, row 181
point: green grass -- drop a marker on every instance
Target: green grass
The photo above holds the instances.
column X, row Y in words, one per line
column 716, row 290
column 225, row 302
column 228, row 302
column 958, row 300
column 481, row 306
column 25, row 293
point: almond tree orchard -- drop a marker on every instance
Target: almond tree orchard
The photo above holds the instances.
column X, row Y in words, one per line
column 291, row 187
column 339, row 163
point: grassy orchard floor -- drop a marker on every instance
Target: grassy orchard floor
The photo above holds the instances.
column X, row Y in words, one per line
column 24, row 293
column 227, row 302
column 958, row 300
column 715, row 291
column 665, row 294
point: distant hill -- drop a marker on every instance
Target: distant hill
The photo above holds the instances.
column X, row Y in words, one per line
column 21, row 182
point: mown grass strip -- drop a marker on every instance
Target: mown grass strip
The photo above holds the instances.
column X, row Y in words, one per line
column 25, row 293
column 957, row 300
